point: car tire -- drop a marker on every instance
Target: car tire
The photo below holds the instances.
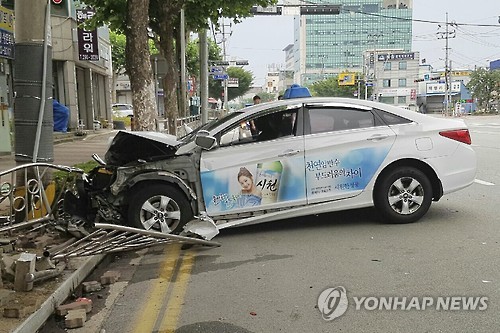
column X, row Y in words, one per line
column 159, row 207
column 403, row 195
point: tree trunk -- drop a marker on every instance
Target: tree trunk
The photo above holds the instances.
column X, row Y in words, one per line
column 138, row 65
column 169, row 11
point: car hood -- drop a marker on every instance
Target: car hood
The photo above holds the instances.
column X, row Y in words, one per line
column 128, row 147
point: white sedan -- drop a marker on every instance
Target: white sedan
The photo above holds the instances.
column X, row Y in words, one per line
column 285, row 159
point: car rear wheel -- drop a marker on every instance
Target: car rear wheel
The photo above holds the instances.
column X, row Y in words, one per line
column 403, row 195
column 160, row 208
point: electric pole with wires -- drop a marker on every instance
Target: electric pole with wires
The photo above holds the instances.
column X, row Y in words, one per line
column 446, row 35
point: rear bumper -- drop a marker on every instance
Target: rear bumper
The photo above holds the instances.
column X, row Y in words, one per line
column 456, row 171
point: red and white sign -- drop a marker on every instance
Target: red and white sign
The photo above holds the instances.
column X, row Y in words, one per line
column 57, row 2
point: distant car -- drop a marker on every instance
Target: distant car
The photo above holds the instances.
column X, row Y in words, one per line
column 305, row 156
column 122, row 110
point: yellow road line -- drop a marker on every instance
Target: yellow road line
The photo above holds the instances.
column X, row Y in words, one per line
column 179, row 287
column 153, row 302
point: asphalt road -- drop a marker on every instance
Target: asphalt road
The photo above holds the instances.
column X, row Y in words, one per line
column 267, row 278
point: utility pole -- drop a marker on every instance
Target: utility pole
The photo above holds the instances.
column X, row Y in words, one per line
column 204, row 75
column 183, row 104
column 446, row 35
column 224, row 82
column 33, row 120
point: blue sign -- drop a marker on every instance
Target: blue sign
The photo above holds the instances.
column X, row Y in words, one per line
column 6, row 44
column 214, row 69
column 221, row 76
column 369, row 84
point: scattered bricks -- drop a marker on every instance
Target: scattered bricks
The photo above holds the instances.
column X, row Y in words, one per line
column 80, row 303
column 43, row 241
column 110, row 277
column 14, row 311
column 4, row 241
column 6, row 296
column 7, row 248
column 8, row 265
column 24, row 265
column 25, row 242
column 75, row 318
column 91, row 286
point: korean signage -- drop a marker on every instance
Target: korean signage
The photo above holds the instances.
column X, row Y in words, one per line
column 87, row 40
column 233, row 82
column 396, row 56
column 440, row 88
column 6, row 33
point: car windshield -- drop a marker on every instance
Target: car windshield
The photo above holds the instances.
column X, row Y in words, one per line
column 209, row 126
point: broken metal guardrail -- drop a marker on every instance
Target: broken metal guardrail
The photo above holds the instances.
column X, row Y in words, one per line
column 30, row 203
column 25, row 200
column 111, row 238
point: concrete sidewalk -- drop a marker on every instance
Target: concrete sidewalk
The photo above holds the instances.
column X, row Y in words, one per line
column 65, row 141
column 69, row 149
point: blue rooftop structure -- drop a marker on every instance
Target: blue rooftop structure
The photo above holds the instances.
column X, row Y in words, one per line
column 296, row 91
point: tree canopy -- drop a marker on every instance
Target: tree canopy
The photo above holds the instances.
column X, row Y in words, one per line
column 331, row 88
column 485, row 87
column 163, row 22
column 244, row 77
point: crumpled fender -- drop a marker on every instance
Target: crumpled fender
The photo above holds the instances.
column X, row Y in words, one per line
column 163, row 176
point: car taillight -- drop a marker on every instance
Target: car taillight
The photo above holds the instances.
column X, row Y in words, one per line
column 459, row 135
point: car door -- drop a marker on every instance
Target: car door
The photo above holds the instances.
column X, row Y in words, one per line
column 265, row 152
column 345, row 146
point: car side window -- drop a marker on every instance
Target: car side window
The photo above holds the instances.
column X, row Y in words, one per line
column 338, row 119
column 264, row 127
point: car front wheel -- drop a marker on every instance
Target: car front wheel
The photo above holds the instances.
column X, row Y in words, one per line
column 403, row 195
column 159, row 207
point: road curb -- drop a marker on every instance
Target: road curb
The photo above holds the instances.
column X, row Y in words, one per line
column 37, row 319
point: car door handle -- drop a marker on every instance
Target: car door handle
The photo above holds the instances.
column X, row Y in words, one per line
column 378, row 137
column 289, row 152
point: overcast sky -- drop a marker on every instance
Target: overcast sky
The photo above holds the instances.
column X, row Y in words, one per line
column 261, row 39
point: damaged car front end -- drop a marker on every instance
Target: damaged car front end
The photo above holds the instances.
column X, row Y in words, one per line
column 142, row 183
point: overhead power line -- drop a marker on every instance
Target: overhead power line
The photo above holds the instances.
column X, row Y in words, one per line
column 423, row 21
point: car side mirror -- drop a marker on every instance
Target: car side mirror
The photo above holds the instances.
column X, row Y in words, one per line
column 204, row 140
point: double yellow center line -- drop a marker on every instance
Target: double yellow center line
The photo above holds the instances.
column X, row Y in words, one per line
column 166, row 296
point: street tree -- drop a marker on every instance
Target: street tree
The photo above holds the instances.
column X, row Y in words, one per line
column 331, row 88
column 485, row 87
column 118, row 43
column 164, row 20
column 245, row 78
column 131, row 17
column 193, row 55
column 140, row 71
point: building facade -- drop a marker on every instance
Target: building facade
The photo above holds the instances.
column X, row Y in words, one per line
column 84, row 86
column 326, row 45
column 393, row 75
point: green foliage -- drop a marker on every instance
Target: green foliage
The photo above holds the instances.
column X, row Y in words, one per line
column 118, row 42
column 193, row 55
column 330, row 88
column 63, row 177
column 244, row 77
column 485, row 87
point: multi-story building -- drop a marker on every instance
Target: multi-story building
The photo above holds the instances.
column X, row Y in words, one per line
column 329, row 44
column 393, row 75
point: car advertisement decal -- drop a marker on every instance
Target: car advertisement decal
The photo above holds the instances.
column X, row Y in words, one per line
column 343, row 171
column 248, row 186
